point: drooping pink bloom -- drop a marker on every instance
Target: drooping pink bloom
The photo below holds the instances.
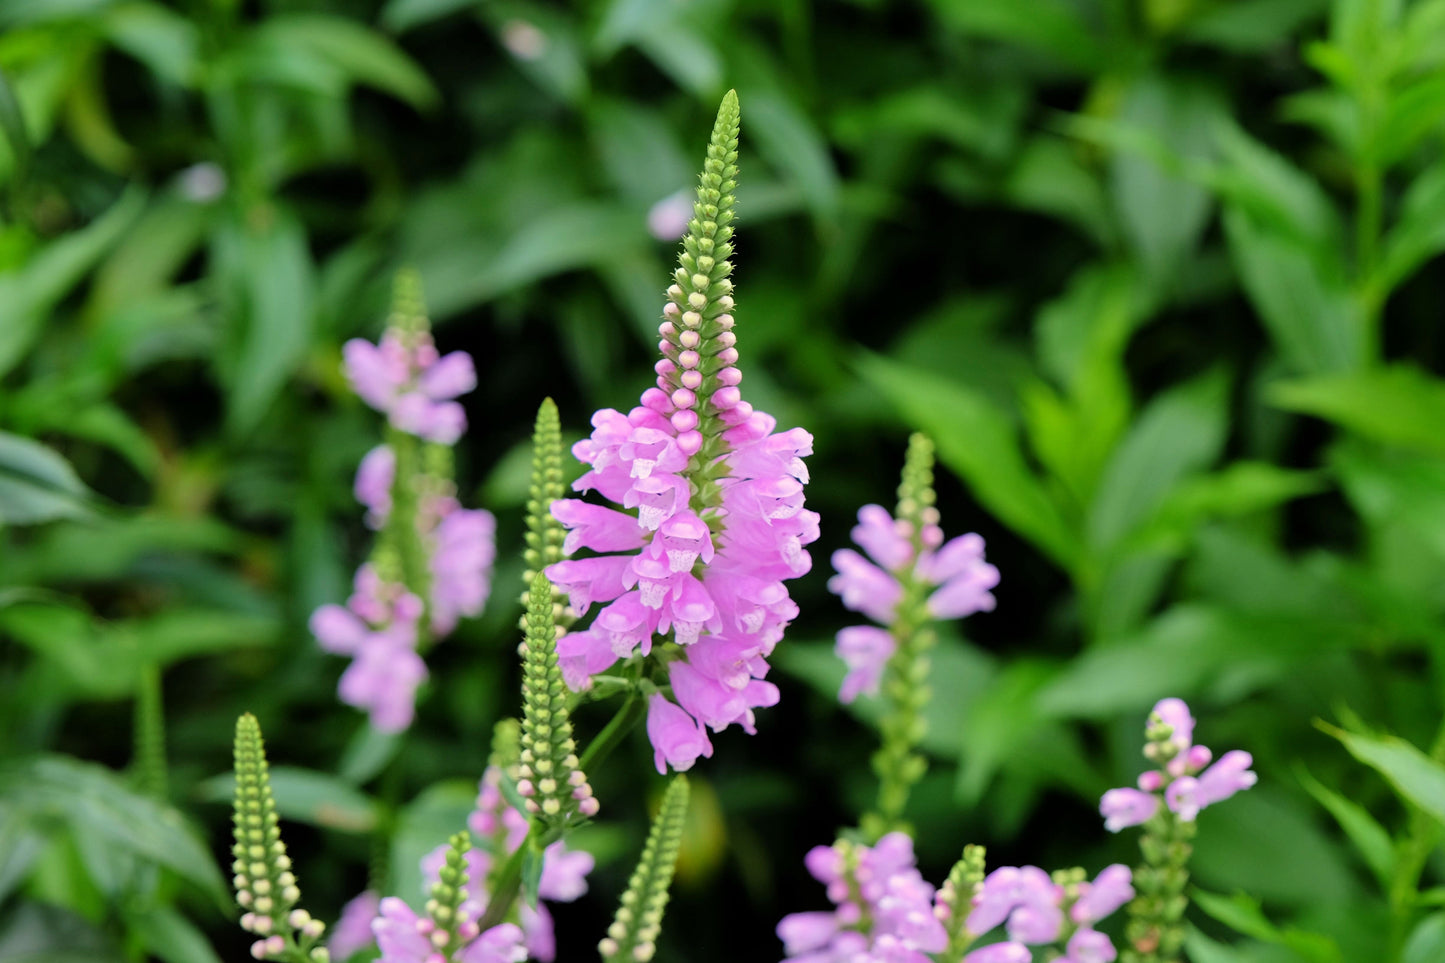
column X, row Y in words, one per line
column 1009, row 952
column 1127, row 807
column 378, row 629
column 352, row 932
column 1111, row 889
column 957, row 568
column 374, row 478
column 1089, row 946
column 865, row 649
column 463, row 549
column 404, row 378
column 677, row 738
column 1024, row 897
column 897, row 902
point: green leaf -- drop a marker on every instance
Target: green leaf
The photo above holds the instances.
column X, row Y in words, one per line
column 531, row 872
column 999, row 723
column 1251, row 26
column 307, row 796
column 400, row 16
column 12, row 125
column 101, row 809
column 1280, row 199
column 29, row 294
column 1398, row 405
column 1049, row 26
column 1426, row 943
column 1305, row 305
column 976, row 440
column 422, row 824
column 36, row 484
column 276, row 287
column 1242, row 913
column 171, row 937
column 368, row 753
column 360, row 54
column 1163, row 213
column 1181, row 431
column 165, row 41
column 1414, row 776
column 790, row 142
column 1411, row 114
column 1370, row 838
column 1418, row 233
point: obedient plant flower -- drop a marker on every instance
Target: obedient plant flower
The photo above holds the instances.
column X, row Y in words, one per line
column 709, row 519
column 632, row 937
column 265, row 885
column 917, row 580
column 917, row 576
column 1166, row 803
column 1183, row 784
column 352, row 932
column 449, row 932
column 883, row 911
column 1039, row 909
column 433, row 559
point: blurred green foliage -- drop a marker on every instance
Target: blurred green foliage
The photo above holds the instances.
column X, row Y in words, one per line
column 1161, row 277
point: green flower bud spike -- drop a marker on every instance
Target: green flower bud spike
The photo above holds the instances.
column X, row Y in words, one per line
column 544, row 533
column 1155, row 931
column 633, row 933
column 265, row 886
column 905, row 684
column 550, row 777
column 955, row 899
column 451, row 928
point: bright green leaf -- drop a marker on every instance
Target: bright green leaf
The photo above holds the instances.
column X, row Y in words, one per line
column 1416, row 777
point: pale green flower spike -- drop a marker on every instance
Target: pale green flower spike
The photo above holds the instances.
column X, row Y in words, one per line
column 265, row 886
column 549, row 777
column 700, row 298
column 544, row 533
column 633, row 934
column 447, row 895
column 955, row 898
column 905, row 685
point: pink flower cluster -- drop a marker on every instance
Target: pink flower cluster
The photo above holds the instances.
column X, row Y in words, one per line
column 404, row 937
column 957, row 568
column 1037, row 911
column 884, row 908
column 378, row 627
column 711, row 574
column 1186, row 785
column 406, row 379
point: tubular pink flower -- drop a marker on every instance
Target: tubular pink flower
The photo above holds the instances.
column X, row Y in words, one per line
column 865, row 649
column 374, row 478
column 378, row 629
column 676, row 737
column 897, row 903
column 353, row 931
column 1000, row 953
column 403, row 378
column 1127, row 807
column 1111, row 889
column 463, row 549
column 1089, row 946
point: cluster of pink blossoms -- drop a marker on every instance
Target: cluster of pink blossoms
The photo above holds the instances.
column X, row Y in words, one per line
column 884, row 908
column 1037, row 911
column 379, row 627
column 711, row 574
column 405, row 937
column 957, row 567
column 887, row 913
column 1187, row 786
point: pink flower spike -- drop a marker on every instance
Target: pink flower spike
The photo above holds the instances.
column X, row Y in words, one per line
column 1127, row 807
column 677, row 739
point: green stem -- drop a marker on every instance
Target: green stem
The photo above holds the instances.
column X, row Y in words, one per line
column 150, row 734
column 628, row 716
column 1420, row 841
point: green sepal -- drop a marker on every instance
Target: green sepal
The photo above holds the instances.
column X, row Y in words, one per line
column 532, row 872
